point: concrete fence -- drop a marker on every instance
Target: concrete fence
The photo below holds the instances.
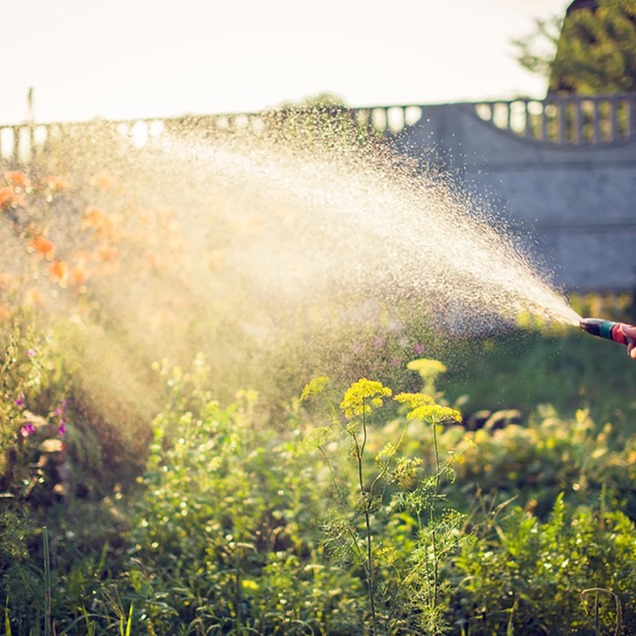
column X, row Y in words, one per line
column 575, row 120
column 561, row 172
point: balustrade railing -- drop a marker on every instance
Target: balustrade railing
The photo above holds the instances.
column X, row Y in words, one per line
column 23, row 143
column 564, row 120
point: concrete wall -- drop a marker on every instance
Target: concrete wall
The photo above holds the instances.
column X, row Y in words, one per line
column 572, row 205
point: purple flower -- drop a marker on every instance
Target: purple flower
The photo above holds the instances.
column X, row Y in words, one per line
column 28, row 429
column 60, row 408
column 61, row 429
column 418, row 348
column 31, row 352
column 20, row 399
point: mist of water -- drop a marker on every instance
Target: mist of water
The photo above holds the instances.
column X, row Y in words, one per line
column 248, row 244
column 359, row 221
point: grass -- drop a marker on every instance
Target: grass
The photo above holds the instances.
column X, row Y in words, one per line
column 525, row 369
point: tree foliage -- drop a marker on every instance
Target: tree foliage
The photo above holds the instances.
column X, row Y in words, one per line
column 595, row 51
column 536, row 51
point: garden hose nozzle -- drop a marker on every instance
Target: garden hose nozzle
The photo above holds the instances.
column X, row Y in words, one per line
column 608, row 329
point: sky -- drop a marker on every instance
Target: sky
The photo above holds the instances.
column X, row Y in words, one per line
column 121, row 59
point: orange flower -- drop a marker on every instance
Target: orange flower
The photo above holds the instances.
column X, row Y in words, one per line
column 107, row 253
column 6, row 195
column 101, row 180
column 17, row 179
column 105, row 227
column 59, row 273
column 93, row 217
column 42, row 247
column 77, row 275
column 56, row 182
column 10, row 198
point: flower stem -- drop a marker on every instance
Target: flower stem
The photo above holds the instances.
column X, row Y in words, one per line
column 433, row 518
column 367, row 497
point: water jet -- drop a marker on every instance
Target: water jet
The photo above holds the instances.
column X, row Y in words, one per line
column 242, row 244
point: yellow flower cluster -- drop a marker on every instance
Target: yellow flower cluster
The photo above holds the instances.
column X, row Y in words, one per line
column 435, row 414
column 427, row 368
column 424, row 408
column 314, row 387
column 362, row 396
column 414, row 400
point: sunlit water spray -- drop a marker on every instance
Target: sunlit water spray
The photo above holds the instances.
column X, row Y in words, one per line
column 340, row 220
column 244, row 247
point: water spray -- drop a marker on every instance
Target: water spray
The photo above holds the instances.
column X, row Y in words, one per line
column 617, row 331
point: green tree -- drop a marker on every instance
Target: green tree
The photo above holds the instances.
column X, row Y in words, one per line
column 595, row 51
column 536, row 51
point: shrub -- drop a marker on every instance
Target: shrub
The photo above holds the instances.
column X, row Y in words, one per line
column 572, row 574
column 226, row 524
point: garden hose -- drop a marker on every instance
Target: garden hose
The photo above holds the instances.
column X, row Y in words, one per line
column 607, row 329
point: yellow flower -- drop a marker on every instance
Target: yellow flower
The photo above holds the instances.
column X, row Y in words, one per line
column 414, row 400
column 435, row 414
column 405, row 472
column 315, row 386
column 362, row 396
column 427, row 368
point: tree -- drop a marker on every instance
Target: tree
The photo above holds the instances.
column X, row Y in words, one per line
column 536, row 51
column 595, row 51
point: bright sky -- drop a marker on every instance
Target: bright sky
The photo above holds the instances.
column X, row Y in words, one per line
column 146, row 58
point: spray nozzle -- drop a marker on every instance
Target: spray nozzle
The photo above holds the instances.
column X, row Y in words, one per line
column 617, row 331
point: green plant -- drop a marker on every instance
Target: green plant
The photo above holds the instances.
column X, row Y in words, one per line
column 391, row 483
column 18, row 578
column 548, row 455
column 545, row 577
column 223, row 525
column 32, row 459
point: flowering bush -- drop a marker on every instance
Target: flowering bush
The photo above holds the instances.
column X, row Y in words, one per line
column 34, row 421
column 67, row 247
column 60, row 243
